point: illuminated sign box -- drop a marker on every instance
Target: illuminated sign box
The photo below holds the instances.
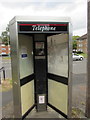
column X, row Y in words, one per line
column 42, row 27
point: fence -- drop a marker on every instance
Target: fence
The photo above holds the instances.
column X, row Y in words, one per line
column 2, row 70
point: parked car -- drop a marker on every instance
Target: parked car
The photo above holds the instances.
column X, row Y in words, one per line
column 77, row 57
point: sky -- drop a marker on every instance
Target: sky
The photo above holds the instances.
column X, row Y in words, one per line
column 75, row 9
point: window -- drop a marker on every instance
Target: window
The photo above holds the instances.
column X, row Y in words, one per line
column 80, row 50
column 80, row 45
column 2, row 45
column 3, row 48
column 3, row 53
column 79, row 40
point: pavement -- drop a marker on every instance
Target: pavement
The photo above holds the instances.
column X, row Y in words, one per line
column 0, row 68
column 0, row 103
column 6, row 63
column 79, row 84
column 78, row 88
column 7, row 97
column 80, row 67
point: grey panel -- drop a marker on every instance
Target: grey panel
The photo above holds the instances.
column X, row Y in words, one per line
column 39, row 19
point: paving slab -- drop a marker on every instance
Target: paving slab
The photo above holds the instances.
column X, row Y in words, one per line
column 50, row 113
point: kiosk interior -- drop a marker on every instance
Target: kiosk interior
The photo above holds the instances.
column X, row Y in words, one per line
column 41, row 62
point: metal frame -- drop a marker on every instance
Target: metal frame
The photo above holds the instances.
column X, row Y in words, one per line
column 15, row 58
column 15, row 69
column 70, row 72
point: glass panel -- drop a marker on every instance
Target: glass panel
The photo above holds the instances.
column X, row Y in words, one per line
column 58, row 54
column 26, row 56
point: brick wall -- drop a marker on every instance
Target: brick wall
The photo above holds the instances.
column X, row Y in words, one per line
column 82, row 45
column 4, row 50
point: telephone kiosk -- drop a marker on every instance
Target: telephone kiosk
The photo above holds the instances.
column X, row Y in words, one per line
column 41, row 50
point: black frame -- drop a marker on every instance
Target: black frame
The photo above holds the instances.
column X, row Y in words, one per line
column 45, row 46
column 48, row 74
column 64, row 26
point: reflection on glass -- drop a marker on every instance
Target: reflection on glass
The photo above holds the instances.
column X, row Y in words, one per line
column 39, row 46
column 58, row 54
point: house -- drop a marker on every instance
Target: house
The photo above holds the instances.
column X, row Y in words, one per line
column 82, row 44
column 4, row 49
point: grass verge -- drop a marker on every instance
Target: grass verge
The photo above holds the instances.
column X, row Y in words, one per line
column 83, row 54
column 6, row 58
column 77, row 113
column 6, row 85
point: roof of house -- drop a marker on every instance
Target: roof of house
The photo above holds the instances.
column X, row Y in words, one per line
column 82, row 37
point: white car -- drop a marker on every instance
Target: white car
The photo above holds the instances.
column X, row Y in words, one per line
column 77, row 57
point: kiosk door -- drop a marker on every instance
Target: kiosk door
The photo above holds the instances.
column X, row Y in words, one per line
column 58, row 72
column 40, row 68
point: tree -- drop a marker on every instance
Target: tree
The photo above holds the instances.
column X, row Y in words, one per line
column 74, row 38
column 74, row 45
column 5, row 36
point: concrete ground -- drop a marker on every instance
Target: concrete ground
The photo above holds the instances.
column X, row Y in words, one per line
column 50, row 113
column 78, row 92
